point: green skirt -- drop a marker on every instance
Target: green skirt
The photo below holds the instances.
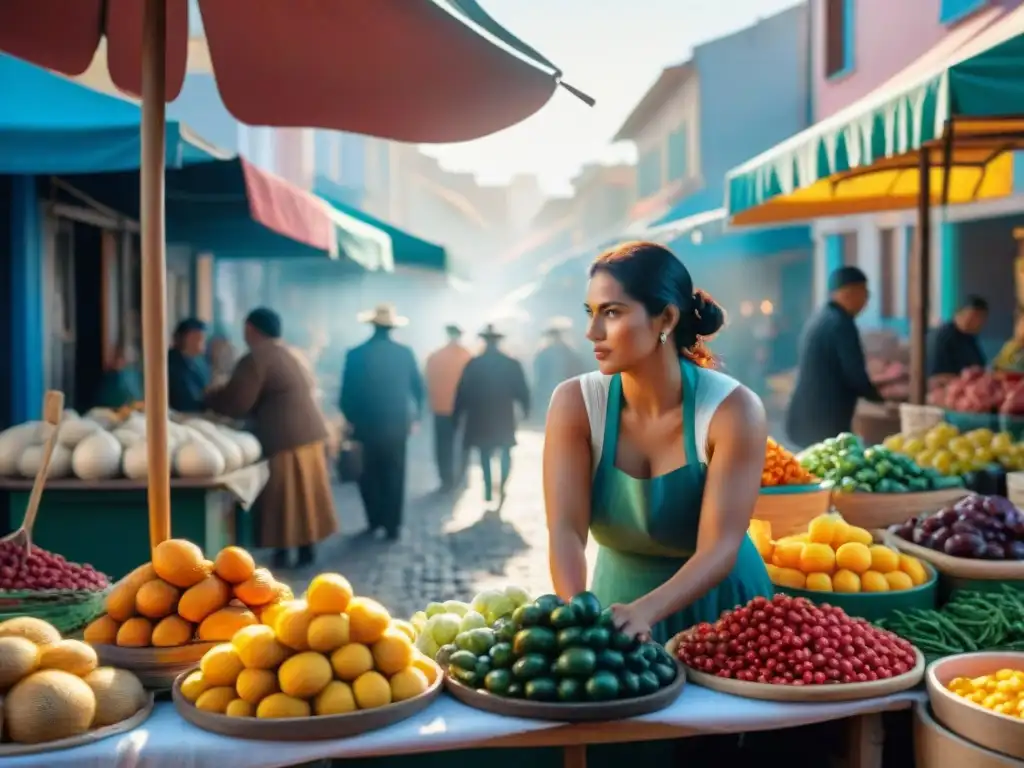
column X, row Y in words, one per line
column 622, row 577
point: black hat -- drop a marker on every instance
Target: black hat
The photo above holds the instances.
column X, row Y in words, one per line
column 188, row 325
column 844, row 276
column 490, row 332
column 453, row 330
column 266, row 321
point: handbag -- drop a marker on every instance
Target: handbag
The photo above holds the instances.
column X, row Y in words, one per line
column 350, row 462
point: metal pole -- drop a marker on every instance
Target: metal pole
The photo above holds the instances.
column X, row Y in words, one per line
column 154, row 266
column 920, row 271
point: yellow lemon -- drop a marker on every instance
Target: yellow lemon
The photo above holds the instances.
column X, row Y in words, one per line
column 328, row 632
column 292, row 625
column 853, row 556
column 193, row 686
column 367, row 620
column 372, row 690
column 822, row 529
column 427, row 666
column 328, row 593
column 336, row 699
column 898, row 581
column 914, row 569
column 392, row 653
column 790, row 577
column 884, row 559
column 842, row 533
column 873, row 581
column 787, row 554
column 258, row 647
column 352, row 660
column 240, row 708
column 408, row 684
column 405, row 628
column 817, row 558
column 278, row 705
column 845, row 581
column 221, row 665
column 304, row 675
column 216, row 699
column 819, row 582
column 254, row 685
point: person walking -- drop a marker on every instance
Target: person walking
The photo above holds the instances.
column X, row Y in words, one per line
column 488, row 391
column 268, row 387
column 555, row 362
column 382, row 399
column 443, row 371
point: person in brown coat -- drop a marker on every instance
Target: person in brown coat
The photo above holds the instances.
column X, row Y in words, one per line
column 270, row 388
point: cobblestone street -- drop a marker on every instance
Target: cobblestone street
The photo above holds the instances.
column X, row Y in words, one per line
column 452, row 546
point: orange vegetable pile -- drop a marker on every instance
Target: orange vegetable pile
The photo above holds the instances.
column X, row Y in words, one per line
column 782, row 468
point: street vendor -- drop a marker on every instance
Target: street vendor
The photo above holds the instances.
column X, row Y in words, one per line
column 270, row 387
column 832, row 373
column 953, row 346
column 656, row 455
column 188, row 373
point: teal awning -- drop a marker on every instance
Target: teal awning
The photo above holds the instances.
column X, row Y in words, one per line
column 963, row 102
column 407, row 250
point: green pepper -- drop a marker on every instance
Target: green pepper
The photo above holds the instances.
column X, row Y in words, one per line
column 883, row 468
column 866, row 476
column 848, row 485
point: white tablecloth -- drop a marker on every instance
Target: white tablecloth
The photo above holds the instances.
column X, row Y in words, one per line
column 167, row 741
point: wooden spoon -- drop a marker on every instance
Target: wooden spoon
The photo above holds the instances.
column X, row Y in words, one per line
column 53, row 410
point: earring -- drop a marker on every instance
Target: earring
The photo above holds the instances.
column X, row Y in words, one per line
column 662, row 337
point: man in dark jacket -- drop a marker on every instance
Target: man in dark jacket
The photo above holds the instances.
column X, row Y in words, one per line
column 954, row 346
column 491, row 385
column 832, row 373
column 381, row 397
column 188, row 373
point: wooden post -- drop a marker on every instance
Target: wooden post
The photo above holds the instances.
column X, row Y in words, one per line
column 920, row 280
column 154, row 265
column 1018, row 272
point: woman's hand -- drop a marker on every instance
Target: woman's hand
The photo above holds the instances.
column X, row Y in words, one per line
column 632, row 620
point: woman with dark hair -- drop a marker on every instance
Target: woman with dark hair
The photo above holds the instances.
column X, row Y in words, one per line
column 656, row 455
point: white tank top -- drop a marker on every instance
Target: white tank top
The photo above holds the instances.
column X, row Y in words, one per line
column 712, row 388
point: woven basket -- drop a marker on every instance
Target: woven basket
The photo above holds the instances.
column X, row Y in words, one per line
column 1015, row 488
column 67, row 610
column 880, row 510
column 918, row 419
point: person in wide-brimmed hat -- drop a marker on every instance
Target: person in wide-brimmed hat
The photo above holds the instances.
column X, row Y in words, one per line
column 491, row 385
column 271, row 388
column 443, row 371
column 381, row 399
column 554, row 363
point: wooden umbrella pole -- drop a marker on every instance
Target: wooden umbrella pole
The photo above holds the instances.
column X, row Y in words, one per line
column 154, row 293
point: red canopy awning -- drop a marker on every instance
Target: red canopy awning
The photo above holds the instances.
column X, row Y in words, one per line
column 410, row 70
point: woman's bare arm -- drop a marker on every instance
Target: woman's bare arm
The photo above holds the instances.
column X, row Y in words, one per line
column 736, row 445
column 567, row 476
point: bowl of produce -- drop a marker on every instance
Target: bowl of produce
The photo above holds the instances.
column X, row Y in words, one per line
column 951, row 452
column 971, row 621
column 43, row 584
column 972, row 399
column 980, row 697
column 328, row 666
column 556, row 660
column 843, row 562
column 56, row 695
column 790, row 495
column 979, row 537
column 791, row 649
column 162, row 617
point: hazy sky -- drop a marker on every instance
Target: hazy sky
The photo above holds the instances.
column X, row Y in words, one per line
column 611, row 49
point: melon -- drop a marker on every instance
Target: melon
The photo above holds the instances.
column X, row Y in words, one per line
column 137, row 632
column 180, row 562
column 32, row 459
column 258, row 589
column 31, row 628
column 223, row 624
column 156, row 599
column 105, row 417
column 18, row 657
column 72, row 656
column 71, row 433
column 13, row 442
column 102, row 631
column 120, row 603
column 119, row 695
column 48, row 705
column 126, row 437
column 172, row 631
column 228, row 448
column 209, row 595
column 198, row 457
column 97, row 457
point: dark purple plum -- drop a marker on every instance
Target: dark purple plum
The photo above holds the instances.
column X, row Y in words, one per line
column 964, row 545
column 947, row 517
column 994, row 551
column 930, row 524
column 969, row 503
column 964, row 526
column 906, row 530
column 938, row 539
column 920, row 536
column 997, row 506
column 1015, row 550
column 975, row 517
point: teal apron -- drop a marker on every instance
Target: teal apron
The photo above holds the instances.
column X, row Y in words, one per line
column 647, row 529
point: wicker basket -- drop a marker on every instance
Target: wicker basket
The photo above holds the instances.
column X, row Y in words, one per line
column 918, row 419
column 880, row 510
column 67, row 610
column 790, row 508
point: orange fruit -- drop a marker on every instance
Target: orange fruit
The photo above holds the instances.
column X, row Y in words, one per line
column 873, row 581
column 845, row 581
column 853, row 556
column 914, row 569
column 819, row 582
column 368, row 620
column 884, row 559
column 898, row 581
column 790, row 577
column 817, row 558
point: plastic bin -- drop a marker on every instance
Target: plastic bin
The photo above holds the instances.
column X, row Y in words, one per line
column 967, row 422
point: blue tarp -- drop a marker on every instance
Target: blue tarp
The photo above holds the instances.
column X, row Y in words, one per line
column 52, row 125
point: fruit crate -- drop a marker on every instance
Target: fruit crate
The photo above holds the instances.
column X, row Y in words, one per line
column 874, row 606
column 967, row 422
column 67, row 610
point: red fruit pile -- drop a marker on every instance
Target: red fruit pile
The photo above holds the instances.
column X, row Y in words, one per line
column 792, row 641
column 43, row 570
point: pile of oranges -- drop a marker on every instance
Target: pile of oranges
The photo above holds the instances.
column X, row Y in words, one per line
column 782, row 468
column 834, row 556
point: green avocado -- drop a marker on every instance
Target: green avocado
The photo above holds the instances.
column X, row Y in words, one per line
column 564, row 616
column 530, row 666
column 603, row 686
column 588, row 607
column 596, row 638
column 534, row 640
column 463, row 660
column 501, row 655
column 570, row 689
column 575, row 662
column 527, row 616
column 498, row 681
column 541, row 689
column 571, row 637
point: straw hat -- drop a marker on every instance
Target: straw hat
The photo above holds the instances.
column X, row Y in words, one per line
column 490, row 332
column 384, row 315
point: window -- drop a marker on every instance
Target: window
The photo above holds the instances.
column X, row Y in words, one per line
column 848, row 247
column 838, row 24
column 678, row 154
column 648, row 173
column 890, row 273
column 952, row 11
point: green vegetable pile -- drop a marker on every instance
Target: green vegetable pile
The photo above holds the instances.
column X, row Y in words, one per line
column 550, row 650
column 843, row 463
column 970, row 621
